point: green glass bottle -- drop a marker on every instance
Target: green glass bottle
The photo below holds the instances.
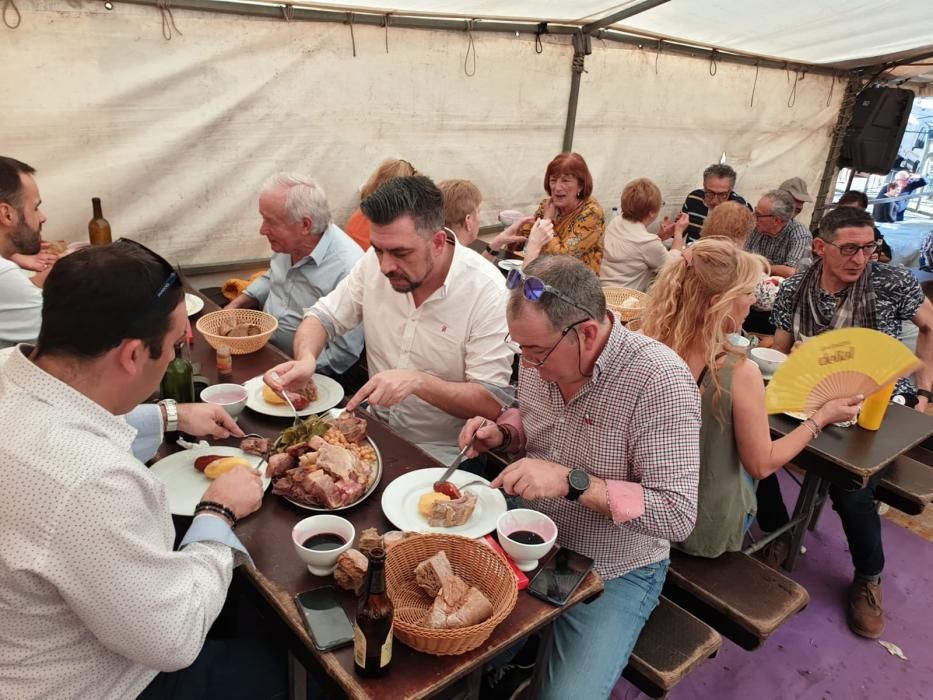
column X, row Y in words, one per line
column 178, row 382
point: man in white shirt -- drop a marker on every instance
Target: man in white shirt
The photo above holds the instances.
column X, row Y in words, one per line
column 433, row 315
column 20, row 233
column 94, row 602
column 310, row 256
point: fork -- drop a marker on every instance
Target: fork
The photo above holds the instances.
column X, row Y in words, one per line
column 476, row 483
column 297, row 420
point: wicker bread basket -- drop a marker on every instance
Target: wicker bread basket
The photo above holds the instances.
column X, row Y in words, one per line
column 616, row 296
column 209, row 324
column 472, row 561
column 634, row 324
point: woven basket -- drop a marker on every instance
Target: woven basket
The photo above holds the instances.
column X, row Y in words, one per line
column 634, row 324
column 615, row 296
column 209, row 324
column 472, row 561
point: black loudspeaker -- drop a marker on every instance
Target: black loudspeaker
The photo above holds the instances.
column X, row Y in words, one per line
column 870, row 143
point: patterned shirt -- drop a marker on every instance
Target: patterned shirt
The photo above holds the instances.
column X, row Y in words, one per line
column 791, row 247
column 579, row 233
column 93, row 600
column 898, row 297
column 695, row 207
column 637, row 420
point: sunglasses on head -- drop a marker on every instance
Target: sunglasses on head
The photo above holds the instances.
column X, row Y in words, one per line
column 533, row 288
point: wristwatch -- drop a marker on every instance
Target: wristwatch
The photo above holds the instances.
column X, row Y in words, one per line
column 170, row 409
column 579, row 481
column 925, row 393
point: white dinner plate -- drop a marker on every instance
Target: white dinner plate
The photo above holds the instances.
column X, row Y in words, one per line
column 400, row 503
column 509, row 265
column 193, row 303
column 185, row 485
column 329, row 394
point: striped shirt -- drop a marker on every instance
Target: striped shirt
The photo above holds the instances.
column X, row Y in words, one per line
column 637, row 420
column 793, row 246
column 695, row 207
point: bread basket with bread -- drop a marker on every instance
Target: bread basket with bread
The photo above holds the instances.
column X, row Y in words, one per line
column 242, row 330
column 627, row 304
column 420, row 620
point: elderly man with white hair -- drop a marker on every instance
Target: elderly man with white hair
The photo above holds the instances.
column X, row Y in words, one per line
column 310, row 256
column 784, row 241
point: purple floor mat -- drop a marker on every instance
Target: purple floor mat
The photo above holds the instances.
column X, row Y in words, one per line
column 814, row 655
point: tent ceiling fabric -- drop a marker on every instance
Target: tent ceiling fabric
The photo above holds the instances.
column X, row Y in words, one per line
column 827, row 32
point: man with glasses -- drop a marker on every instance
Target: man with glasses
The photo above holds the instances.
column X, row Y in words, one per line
column 94, row 599
column 606, row 442
column 843, row 289
column 718, row 184
column 778, row 236
column 433, row 316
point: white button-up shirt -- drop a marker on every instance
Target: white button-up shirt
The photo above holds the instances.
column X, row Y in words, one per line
column 457, row 334
column 20, row 306
column 93, row 600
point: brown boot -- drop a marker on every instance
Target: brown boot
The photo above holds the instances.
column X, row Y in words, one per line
column 864, row 613
column 774, row 554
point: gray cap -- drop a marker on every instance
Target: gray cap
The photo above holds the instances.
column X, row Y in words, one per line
column 796, row 188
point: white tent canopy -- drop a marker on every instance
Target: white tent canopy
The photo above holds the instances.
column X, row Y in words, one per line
column 178, row 135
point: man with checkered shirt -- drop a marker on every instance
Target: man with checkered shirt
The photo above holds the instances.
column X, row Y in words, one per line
column 608, row 434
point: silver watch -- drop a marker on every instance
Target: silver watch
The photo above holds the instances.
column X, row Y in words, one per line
column 171, row 414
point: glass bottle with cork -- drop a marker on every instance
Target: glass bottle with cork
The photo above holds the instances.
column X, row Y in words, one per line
column 372, row 635
column 178, row 381
column 98, row 228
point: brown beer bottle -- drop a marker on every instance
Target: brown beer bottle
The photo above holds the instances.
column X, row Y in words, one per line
column 98, row 228
column 372, row 637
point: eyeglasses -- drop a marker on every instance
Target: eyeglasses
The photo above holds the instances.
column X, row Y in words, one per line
column 709, row 194
column 171, row 279
column 537, row 363
column 759, row 215
column 850, row 250
column 533, row 288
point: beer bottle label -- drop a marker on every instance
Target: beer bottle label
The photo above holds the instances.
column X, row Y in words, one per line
column 359, row 646
column 386, row 655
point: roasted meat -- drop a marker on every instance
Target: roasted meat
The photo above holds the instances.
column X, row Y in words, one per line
column 454, row 512
column 256, row 445
column 279, row 464
column 351, row 427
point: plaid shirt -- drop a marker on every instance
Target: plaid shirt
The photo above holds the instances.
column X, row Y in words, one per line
column 792, row 246
column 637, row 420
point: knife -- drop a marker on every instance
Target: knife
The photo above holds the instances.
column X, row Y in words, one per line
column 458, row 460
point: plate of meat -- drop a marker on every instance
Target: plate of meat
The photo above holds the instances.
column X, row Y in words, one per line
column 411, row 504
column 322, row 394
column 325, row 464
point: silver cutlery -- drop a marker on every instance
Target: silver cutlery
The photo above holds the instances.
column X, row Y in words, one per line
column 458, row 460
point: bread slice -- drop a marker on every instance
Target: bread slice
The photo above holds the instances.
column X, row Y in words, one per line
column 431, row 574
column 457, row 605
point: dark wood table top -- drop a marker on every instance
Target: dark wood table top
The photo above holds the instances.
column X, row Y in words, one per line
column 278, row 574
column 862, row 453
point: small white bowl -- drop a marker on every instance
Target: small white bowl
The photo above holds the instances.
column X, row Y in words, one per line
column 767, row 359
column 510, row 216
column 322, row 563
column 739, row 341
column 526, row 556
column 231, row 396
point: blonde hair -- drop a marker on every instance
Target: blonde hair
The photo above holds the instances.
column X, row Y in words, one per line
column 729, row 220
column 681, row 312
column 640, row 198
column 388, row 169
column 461, row 198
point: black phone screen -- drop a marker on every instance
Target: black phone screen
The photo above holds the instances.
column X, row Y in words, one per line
column 326, row 620
column 559, row 576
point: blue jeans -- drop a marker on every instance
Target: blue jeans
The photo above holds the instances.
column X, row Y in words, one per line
column 593, row 642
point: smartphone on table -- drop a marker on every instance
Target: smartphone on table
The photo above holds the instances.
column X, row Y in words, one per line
column 325, row 618
column 559, row 576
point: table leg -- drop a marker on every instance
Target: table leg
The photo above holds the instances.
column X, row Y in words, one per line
column 803, row 511
column 545, row 643
column 822, row 495
column 297, row 679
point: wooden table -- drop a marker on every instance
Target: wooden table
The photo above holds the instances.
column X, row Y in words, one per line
column 278, row 574
column 847, row 457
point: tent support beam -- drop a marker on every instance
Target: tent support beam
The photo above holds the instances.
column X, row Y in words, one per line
column 609, row 20
column 582, row 47
column 827, row 188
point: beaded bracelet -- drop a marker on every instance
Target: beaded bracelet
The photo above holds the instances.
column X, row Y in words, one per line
column 214, row 507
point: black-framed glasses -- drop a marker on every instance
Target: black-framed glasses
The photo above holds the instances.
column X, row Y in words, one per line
column 850, row 250
column 709, row 194
column 533, row 288
column 171, row 279
column 538, row 363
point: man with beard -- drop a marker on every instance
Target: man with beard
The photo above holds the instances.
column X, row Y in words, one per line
column 20, row 226
column 433, row 316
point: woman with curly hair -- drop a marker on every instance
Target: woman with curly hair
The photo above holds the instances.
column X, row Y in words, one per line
column 698, row 300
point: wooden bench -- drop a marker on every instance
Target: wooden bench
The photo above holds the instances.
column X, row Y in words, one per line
column 908, row 483
column 737, row 595
column 672, row 644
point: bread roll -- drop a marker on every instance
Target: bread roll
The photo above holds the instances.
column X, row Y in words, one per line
column 431, row 574
column 350, row 573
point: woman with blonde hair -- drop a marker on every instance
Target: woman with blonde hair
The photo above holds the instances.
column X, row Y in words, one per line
column 697, row 301
column 729, row 220
column 357, row 226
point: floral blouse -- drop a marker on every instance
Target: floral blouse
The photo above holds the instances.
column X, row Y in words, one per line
column 579, row 233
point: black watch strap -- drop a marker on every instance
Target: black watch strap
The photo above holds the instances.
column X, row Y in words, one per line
column 578, row 481
column 925, row 393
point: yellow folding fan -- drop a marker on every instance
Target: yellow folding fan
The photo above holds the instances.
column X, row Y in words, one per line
column 835, row 365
